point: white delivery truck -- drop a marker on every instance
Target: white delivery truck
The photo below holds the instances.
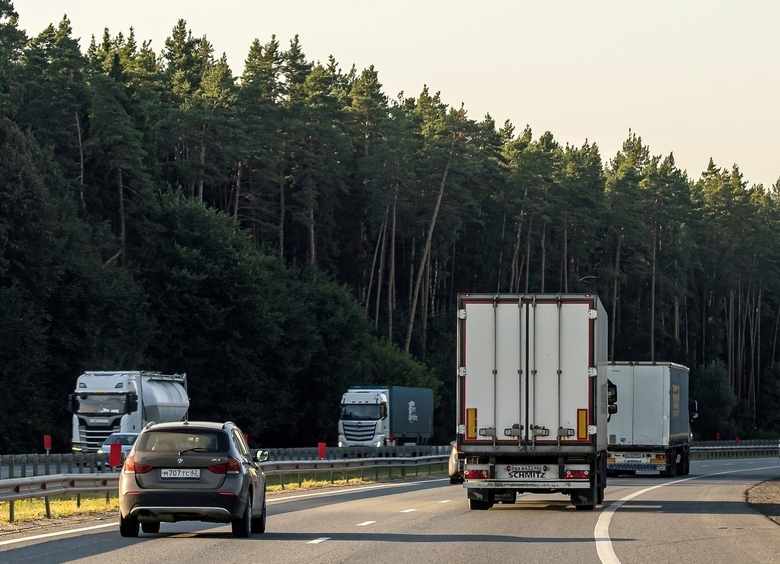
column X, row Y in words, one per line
column 533, row 396
column 374, row 416
column 652, row 431
column 123, row 402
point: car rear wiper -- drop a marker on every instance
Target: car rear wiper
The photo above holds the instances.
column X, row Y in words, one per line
column 193, row 448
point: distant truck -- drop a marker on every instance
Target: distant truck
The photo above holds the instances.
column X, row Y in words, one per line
column 123, row 402
column 533, row 397
column 652, row 431
column 385, row 416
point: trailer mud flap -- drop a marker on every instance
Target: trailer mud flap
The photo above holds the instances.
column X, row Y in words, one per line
column 480, row 495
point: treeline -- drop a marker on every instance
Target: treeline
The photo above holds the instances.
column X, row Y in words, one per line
column 287, row 232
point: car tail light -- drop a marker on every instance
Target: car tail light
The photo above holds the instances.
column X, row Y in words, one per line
column 133, row 467
column 476, row 474
column 232, row 466
column 577, row 474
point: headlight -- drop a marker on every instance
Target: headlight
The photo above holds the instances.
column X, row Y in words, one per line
column 100, row 451
column 76, row 448
column 378, row 443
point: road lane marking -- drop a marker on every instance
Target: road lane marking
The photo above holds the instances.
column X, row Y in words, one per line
column 601, row 533
column 318, row 541
column 445, row 501
column 57, row 534
column 350, row 490
column 408, row 510
column 364, row 523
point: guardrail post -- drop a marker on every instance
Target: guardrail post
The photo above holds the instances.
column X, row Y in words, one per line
column 11, row 511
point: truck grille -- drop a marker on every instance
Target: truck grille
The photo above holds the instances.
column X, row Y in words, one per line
column 359, row 430
column 95, row 436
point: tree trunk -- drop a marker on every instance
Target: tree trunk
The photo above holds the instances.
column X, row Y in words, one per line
column 528, row 251
column 122, row 218
column 381, row 271
column 426, row 251
column 81, row 163
column 615, row 287
column 391, row 277
column 312, row 241
column 238, row 190
column 652, row 297
column 544, row 253
column 202, row 166
column 281, row 208
column 373, row 268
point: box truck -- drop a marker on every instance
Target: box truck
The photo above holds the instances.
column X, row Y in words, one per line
column 123, row 402
column 532, row 397
column 652, row 431
column 385, row 416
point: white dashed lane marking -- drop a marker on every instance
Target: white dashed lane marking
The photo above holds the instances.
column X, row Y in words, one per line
column 408, row 510
column 318, row 541
column 364, row 523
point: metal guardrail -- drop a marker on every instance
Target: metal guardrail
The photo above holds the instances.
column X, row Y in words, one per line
column 15, row 489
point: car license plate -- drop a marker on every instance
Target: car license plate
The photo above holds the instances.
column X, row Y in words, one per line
column 180, row 473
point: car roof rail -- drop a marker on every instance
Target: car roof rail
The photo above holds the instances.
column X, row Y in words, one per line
column 148, row 425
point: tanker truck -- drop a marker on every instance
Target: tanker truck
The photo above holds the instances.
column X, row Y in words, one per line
column 123, row 402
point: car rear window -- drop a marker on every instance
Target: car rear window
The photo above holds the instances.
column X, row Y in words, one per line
column 202, row 440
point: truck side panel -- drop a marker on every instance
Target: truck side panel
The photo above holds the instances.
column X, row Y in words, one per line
column 679, row 416
column 411, row 411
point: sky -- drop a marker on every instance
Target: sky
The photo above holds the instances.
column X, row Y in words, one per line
column 696, row 79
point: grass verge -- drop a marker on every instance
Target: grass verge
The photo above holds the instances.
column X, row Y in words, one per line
column 64, row 505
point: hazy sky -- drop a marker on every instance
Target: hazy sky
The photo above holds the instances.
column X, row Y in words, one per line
column 700, row 79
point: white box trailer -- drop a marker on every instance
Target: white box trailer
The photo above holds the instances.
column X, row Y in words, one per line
column 651, row 431
column 532, row 396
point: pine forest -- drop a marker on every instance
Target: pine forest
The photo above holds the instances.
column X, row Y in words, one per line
column 289, row 231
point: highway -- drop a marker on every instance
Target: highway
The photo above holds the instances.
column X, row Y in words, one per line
column 701, row 519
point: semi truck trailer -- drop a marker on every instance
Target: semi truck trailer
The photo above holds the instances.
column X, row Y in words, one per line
column 652, row 431
column 385, row 416
column 533, row 397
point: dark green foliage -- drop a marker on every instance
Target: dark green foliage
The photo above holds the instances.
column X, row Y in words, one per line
column 709, row 386
column 286, row 235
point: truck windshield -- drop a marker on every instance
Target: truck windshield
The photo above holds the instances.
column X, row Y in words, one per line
column 360, row 412
column 101, row 403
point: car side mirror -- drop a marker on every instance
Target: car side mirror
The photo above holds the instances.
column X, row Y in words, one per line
column 261, row 456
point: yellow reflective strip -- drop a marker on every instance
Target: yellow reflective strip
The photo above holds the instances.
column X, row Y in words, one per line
column 582, row 423
column 471, row 423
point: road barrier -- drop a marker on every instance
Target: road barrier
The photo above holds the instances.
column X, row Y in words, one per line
column 55, row 474
column 14, row 489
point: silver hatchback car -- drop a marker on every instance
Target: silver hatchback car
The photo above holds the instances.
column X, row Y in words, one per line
column 192, row 471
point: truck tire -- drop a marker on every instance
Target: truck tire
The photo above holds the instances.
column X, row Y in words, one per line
column 671, row 465
column 478, row 505
column 687, row 462
column 602, row 480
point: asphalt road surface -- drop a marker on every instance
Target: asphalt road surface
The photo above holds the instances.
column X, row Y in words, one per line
column 698, row 519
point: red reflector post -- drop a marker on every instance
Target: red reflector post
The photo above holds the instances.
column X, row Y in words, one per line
column 115, row 455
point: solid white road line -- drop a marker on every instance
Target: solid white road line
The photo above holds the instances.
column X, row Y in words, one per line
column 57, row 534
column 601, row 533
